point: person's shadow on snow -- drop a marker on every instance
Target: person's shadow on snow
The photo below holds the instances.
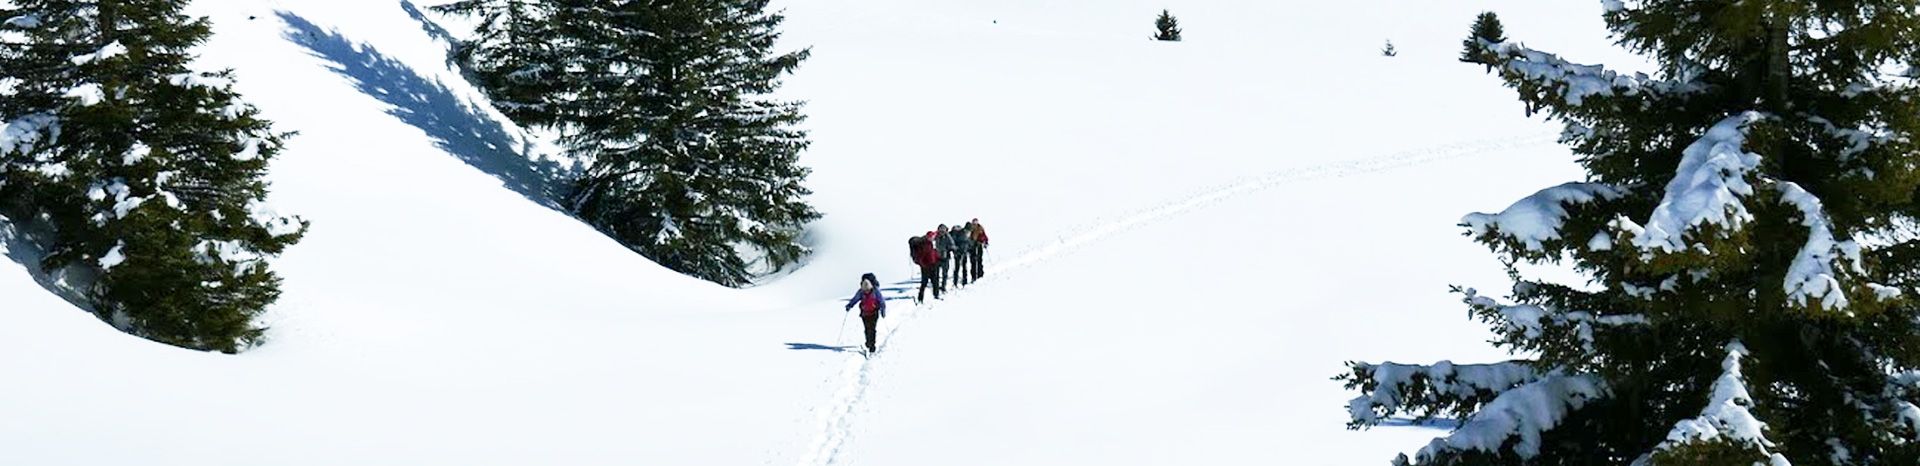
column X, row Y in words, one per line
column 456, row 125
column 816, row 346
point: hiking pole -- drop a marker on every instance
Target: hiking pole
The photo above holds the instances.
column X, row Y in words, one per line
column 843, row 327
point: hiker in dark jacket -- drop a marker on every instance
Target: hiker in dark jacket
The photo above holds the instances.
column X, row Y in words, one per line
column 962, row 249
column 873, row 306
column 943, row 243
column 925, row 256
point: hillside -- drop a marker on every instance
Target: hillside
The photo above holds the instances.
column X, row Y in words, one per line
column 1189, row 240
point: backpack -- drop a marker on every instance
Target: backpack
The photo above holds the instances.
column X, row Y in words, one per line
column 916, row 249
column 870, row 301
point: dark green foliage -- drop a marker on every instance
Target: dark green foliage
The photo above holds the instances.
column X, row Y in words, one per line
column 148, row 163
column 1816, row 89
column 514, row 56
column 1388, row 50
column 1166, row 27
column 1486, row 30
column 692, row 161
column 689, row 161
column 1716, row 451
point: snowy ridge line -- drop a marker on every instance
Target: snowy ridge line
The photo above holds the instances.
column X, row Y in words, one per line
column 836, row 418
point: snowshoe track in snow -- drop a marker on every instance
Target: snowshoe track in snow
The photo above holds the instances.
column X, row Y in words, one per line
column 836, row 418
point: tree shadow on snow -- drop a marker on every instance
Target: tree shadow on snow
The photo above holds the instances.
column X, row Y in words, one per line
column 458, row 126
column 432, row 28
column 23, row 244
column 815, row 346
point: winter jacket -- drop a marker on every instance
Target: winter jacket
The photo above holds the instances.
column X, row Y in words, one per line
column 871, row 303
column 931, row 254
column 945, row 245
column 962, row 242
column 980, row 234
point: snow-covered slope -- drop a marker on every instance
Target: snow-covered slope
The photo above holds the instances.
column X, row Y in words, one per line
column 1189, row 239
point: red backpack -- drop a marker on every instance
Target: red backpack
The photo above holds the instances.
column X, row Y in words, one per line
column 918, row 248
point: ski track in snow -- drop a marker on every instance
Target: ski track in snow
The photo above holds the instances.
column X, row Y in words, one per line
column 836, row 418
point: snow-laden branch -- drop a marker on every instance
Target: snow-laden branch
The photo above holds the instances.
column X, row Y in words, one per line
column 110, row 50
column 116, row 200
column 24, row 134
column 201, row 79
column 1706, row 189
column 1533, row 322
column 1520, row 415
column 26, row 21
column 271, row 219
column 1909, row 415
column 1393, row 388
column 238, row 254
column 1574, row 83
column 1859, row 139
column 1905, row 384
column 114, row 256
column 1537, row 219
column 1728, row 414
column 1814, row 274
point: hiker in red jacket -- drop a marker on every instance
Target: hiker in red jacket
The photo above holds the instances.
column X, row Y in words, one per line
column 873, row 306
column 979, row 247
column 924, row 255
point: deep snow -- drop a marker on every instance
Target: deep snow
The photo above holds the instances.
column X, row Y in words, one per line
column 1189, row 239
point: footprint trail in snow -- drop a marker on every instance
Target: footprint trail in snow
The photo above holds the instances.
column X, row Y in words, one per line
column 836, row 417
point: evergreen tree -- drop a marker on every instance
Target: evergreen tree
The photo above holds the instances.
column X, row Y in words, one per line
column 1486, row 30
column 147, row 173
column 1388, row 50
column 514, row 56
column 1748, row 227
column 1168, row 28
column 691, row 163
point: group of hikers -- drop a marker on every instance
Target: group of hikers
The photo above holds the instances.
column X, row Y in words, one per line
column 944, row 255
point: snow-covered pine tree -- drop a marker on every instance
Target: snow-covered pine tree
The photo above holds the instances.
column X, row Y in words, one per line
column 1166, row 27
column 690, row 161
column 147, row 172
column 1748, row 224
column 1388, row 50
column 515, row 55
column 1486, row 29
